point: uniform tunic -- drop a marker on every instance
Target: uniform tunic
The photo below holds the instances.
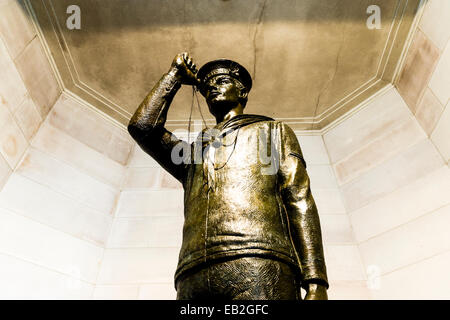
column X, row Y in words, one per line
column 246, row 189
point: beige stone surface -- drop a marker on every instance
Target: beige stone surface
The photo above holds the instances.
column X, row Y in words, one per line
column 71, row 151
column 313, row 149
column 419, row 66
column 12, row 141
column 38, row 76
column 55, row 210
column 329, row 201
column 48, row 247
column 44, row 169
column 397, row 172
column 435, row 22
column 157, row 291
column 425, row 280
column 322, row 177
column 28, row 118
column 15, row 26
column 169, row 182
column 344, row 263
column 429, row 111
column 440, row 81
column 142, row 178
column 139, row 159
column 5, row 115
column 379, row 117
column 129, row 232
column 91, row 128
column 385, row 146
column 336, row 229
column 116, row 292
column 150, row 203
column 348, row 290
column 441, row 134
column 403, row 205
column 146, row 232
column 12, row 89
column 166, row 232
column 409, row 243
column 5, row 171
column 22, row 279
column 138, row 265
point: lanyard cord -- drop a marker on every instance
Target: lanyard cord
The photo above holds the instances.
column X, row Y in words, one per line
column 198, row 105
column 194, row 93
column 190, row 117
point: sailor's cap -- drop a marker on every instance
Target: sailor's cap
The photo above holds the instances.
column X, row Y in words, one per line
column 223, row 67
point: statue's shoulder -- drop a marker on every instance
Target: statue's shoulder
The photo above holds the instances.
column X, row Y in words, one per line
column 281, row 125
column 285, row 131
column 275, row 124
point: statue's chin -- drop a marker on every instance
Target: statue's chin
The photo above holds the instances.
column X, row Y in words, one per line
column 220, row 108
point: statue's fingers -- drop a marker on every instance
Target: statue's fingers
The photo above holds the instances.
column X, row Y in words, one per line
column 185, row 56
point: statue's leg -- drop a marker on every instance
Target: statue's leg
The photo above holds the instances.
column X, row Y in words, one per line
column 193, row 285
column 253, row 278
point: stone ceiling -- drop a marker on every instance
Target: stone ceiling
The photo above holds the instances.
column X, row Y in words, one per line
column 311, row 60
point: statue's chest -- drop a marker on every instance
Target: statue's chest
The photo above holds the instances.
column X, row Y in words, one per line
column 241, row 155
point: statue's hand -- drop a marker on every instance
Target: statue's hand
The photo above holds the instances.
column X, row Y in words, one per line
column 316, row 292
column 184, row 69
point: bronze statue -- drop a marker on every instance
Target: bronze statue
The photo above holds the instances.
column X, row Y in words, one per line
column 251, row 227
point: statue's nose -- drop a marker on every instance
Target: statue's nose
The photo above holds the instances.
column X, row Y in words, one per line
column 213, row 89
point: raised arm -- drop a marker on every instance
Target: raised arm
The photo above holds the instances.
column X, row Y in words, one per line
column 147, row 124
column 303, row 217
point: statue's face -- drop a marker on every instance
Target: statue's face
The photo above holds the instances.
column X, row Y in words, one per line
column 222, row 94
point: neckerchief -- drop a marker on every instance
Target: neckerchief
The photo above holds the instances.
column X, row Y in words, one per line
column 210, row 138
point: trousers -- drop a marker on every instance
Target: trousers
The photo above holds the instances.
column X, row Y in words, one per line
column 245, row 278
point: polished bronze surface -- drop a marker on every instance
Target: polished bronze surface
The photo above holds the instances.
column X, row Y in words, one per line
column 247, row 191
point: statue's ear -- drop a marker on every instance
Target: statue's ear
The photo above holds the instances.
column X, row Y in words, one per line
column 243, row 94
